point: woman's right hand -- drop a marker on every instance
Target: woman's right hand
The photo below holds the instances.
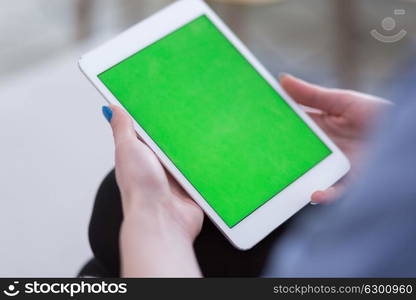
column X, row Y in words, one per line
column 346, row 116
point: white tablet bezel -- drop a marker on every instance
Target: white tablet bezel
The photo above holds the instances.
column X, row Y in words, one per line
column 270, row 215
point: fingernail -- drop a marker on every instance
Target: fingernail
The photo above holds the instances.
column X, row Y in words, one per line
column 314, row 203
column 283, row 74
column 108, row 113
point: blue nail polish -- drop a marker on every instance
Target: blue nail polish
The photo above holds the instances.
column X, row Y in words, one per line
column 108, row 113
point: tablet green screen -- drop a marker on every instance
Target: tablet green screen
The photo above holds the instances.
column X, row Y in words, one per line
column 217, row 119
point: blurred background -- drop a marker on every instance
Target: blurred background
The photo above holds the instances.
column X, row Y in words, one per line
column 55, row 147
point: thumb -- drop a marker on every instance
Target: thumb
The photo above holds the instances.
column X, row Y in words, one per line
column 327, row 100
column 120, row 123
column 326, row 196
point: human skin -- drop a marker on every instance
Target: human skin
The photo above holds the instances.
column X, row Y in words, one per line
column 161, row 221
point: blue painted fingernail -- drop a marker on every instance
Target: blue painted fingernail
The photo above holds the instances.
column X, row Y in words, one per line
column 108, row 113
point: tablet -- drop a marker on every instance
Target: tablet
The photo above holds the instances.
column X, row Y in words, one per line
column 217, row 120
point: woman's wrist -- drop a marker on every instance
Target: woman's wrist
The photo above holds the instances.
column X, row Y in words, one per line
column 160, row 220
column 153, row 244
column 156, row 215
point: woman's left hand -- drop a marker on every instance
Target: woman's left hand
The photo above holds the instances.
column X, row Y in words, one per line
column 160, row 220
column 145, row 184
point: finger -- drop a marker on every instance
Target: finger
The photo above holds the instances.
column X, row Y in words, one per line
column 175, row 187
column 331, row 101
column 326, row 196
column 319, row 118
column 122, row 125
